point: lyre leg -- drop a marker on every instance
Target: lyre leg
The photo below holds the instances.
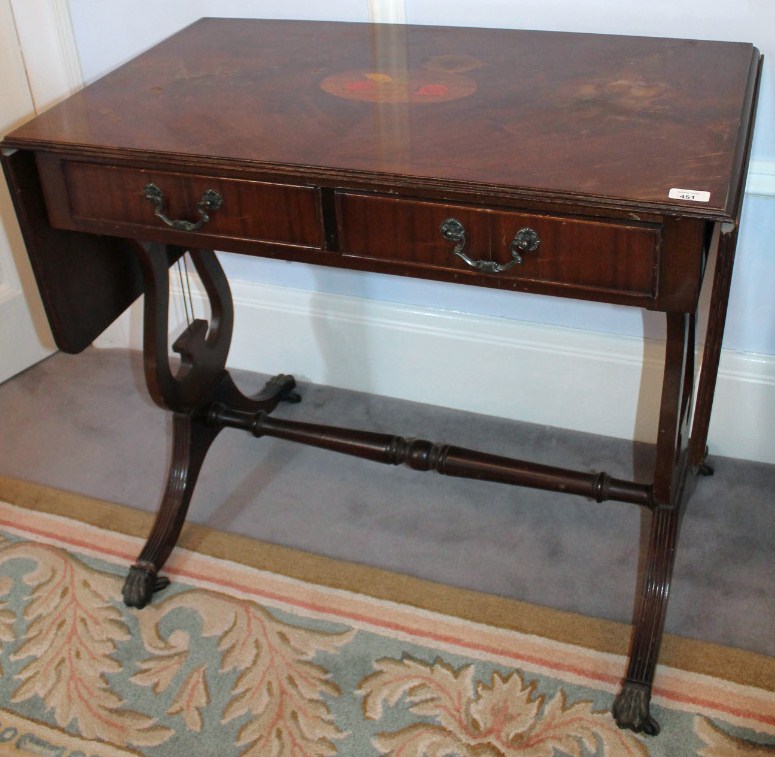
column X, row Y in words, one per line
column 678, row 462
column 201, row 381
column 631, row 706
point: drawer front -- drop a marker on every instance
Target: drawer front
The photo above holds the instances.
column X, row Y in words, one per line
column 112, row 198
column 570, row 253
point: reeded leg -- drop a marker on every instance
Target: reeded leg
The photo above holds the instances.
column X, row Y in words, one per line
column 631, row 706
column 675, row 458
column 200, row 383
column 193, row 433
column 191, row 440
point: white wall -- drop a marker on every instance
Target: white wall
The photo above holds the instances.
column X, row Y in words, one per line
column 109, row 32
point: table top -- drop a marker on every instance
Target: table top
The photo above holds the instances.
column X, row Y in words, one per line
column 608, row 120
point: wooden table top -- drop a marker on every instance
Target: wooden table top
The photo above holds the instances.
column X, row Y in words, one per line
column 609, row 120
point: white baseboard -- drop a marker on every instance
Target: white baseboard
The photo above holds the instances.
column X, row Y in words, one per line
column 20, row 317
column 562, row 377
column 761, row 178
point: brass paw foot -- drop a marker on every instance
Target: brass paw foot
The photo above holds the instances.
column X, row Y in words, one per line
column 140, row 585
column 704, row 468
column 281, row 386
column 631, row 709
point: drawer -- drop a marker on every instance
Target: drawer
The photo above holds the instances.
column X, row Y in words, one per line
column 530, row 251
column 120, row 200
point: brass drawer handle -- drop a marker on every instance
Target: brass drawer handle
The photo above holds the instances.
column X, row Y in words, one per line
column 210, row 201
column 525, row 240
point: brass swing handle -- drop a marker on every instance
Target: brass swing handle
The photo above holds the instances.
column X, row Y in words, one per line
column 525, row 240
column 210, row 201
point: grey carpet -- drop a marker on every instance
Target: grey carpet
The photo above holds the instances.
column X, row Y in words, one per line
column 85, row 424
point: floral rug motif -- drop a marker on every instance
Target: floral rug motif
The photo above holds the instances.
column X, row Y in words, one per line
column 233, row 659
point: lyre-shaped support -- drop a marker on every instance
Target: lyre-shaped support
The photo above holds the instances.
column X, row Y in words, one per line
column 200, row 380
column 671, row 491
column 203, row 347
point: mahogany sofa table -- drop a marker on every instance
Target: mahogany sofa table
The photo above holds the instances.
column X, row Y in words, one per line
column 594, row 167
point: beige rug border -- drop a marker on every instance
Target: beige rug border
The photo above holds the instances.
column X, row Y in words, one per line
column 746, row 668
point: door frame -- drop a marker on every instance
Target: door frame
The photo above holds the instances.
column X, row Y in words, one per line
column 47, row 41
column 44, row 58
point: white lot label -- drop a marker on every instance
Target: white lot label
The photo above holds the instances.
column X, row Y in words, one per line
column 689, row 194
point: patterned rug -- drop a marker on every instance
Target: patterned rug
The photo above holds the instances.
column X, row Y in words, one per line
column 260, row 650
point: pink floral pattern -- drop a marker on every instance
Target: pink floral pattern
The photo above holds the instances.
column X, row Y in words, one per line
column 468, row 719
column 78, row 668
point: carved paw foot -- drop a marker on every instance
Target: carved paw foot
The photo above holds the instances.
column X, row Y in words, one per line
column 631, row 709
column 282, row 387
column 279, row 388
column 140, row 585
column 704, row 468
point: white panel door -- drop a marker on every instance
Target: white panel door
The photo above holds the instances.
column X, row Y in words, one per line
column 24, row 334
